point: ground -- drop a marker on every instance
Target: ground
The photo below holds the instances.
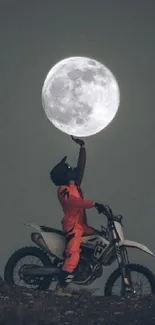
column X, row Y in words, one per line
column 23, row 307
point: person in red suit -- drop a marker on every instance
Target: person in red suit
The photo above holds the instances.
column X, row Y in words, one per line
column 74, row 222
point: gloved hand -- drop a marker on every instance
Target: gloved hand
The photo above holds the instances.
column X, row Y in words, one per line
column 78, row 141
column 100, row 208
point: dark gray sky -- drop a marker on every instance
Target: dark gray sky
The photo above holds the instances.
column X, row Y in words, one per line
column 34, row 35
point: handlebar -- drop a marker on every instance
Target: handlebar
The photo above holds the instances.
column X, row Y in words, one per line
column 110, row 216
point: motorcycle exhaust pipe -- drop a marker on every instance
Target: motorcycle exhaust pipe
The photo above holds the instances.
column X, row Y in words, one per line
column 41, row 271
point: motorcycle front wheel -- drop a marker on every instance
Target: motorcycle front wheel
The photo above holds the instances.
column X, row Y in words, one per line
column 23, row 258
column 143, row 273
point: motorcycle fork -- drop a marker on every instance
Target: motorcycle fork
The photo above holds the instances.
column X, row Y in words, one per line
column 123, row 262
column 125, row 271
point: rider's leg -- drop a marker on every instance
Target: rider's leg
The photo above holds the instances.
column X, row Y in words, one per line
column 72, row 253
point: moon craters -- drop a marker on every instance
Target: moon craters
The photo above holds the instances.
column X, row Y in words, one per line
column 80, row 96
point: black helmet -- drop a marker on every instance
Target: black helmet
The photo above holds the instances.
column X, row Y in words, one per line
column 62, row 173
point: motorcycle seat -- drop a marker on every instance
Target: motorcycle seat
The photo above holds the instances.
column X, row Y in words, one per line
column 60, row 232
column 49, row 229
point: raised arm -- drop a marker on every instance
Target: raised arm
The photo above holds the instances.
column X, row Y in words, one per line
column 81, row 160
column 81, row 164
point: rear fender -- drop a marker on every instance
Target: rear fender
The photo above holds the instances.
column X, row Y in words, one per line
column 134, row 244
column 55, row 243
column 37, row 227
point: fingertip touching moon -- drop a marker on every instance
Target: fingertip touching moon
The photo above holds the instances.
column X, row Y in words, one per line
column 80, row 96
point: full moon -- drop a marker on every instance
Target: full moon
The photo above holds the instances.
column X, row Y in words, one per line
column 80, row 96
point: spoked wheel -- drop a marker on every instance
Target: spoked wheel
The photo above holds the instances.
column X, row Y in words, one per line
column 142, row 279
column 27, row 257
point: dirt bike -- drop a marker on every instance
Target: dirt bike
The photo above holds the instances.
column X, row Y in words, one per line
column 99, row 250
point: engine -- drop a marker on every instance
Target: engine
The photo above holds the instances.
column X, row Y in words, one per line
column 88, row 269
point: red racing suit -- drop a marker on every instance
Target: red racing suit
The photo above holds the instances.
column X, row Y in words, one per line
column 74, row 220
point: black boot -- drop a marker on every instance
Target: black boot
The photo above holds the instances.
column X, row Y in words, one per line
column 65, row 279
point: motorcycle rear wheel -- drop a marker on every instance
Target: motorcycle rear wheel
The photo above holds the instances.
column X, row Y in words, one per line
column 31, row 251
column 139, row 269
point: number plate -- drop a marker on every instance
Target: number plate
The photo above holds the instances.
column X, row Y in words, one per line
column 99, row 249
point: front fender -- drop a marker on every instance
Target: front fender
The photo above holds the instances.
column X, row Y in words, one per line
column 134, row 244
